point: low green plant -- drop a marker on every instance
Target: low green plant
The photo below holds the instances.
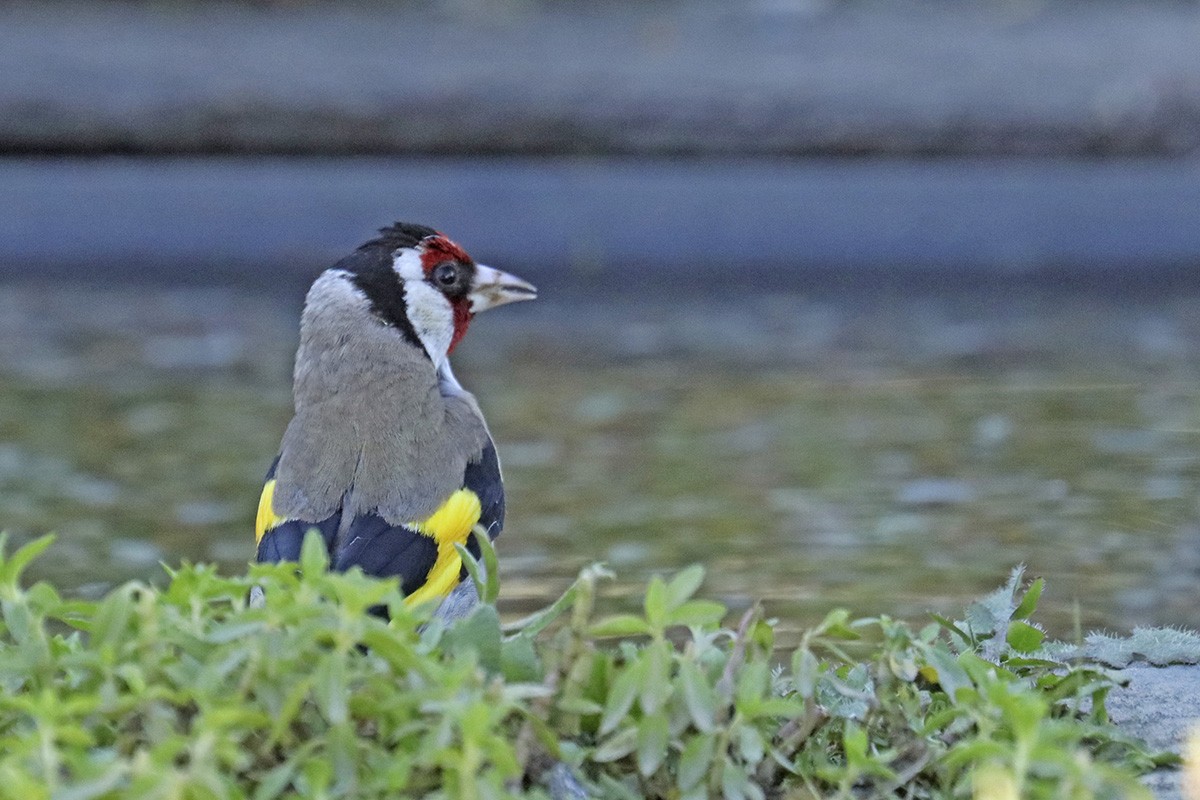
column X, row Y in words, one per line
column 190, row 691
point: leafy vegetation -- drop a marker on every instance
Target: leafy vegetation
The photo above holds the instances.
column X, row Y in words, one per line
column 190, row 691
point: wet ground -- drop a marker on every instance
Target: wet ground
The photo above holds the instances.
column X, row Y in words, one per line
column 895, row 453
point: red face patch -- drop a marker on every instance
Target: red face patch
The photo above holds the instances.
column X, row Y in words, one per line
column 438, row 250
column 462, row 319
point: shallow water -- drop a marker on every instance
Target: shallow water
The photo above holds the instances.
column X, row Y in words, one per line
column 893, row 454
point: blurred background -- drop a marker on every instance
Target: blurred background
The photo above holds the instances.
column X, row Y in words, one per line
column 857, row 302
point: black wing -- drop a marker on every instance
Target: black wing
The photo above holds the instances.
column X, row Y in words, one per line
column 387, row 551
column 382, row 549
column 279, row 539
column 483, row 478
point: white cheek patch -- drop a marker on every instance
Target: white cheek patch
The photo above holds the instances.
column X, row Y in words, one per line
column 407, row 263
column 431, row 316
column 428, row 309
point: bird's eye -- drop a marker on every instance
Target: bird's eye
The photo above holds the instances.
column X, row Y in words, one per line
column 446, row 275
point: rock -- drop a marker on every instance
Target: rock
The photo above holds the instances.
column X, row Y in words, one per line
column 1158, row 705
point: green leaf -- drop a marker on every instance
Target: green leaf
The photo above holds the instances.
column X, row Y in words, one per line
column 752, row 684
column 286, row 706
column 1024, row 712
column 762, row 633
column 538, row 621
column 478, row 633
column 384, row 643
column 990, row 615
column 1030, row 600
column 620, row 625
column 223, row 633
column 275, row 781
column 111, row 622
column 491, row 564
column 695, row 761
column 25, row 629
column 980, row 671
column 857, row 746
column 736, row 784
column 700, row 613
column 580, row 706
column 652, row 738
column 656, row 604
column 314, row 558
column 975, row 751
column 621, row 695
column 854, row 744
column 781, row 707
column 805, row 669
column 943, row 669
column 751, row 745
column 848, row 696
column 474, row 570
column 617, row 746
column 13, row 566
column 963, row 638
column 331, row 689
column 1023, row 637
column 903, row 665
column 519, row 660
column 656, row 683
column 681, row 588
column 992, row 781
column 698, row 696
column 546, row 736
column 103, row 785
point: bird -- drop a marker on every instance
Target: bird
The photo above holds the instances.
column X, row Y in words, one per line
column 387, row 456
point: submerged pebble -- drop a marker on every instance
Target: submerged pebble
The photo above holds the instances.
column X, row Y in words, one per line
column 207, row 351
column 935, row 492
column 135, row 552
column 208, row 512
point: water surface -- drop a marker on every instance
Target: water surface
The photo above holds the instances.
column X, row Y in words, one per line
column 891, row 453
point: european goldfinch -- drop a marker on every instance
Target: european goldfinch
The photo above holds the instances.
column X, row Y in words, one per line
column 387, row 455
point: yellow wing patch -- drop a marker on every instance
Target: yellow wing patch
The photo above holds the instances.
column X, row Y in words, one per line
column 267, row 518
column 449, row 525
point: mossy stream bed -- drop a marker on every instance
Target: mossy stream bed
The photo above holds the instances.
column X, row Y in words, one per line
column 893, row 453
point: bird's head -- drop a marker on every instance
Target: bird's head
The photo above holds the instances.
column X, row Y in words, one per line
column 422, row 283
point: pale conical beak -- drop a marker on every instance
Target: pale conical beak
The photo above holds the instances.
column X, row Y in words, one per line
column 495, row 288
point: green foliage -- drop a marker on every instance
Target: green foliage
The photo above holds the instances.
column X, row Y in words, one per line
column 192, row 691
